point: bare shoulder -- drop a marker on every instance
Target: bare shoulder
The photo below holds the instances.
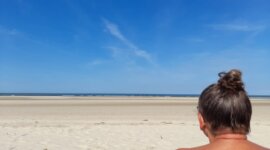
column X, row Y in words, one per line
column 195, row 148
column 258, row 147
column 228, row 145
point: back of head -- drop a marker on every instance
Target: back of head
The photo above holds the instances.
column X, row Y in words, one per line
column 225, row 104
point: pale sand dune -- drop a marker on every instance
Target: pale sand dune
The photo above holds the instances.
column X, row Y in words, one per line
column 117, row 123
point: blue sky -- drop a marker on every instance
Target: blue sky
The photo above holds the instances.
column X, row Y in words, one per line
column 132, row 46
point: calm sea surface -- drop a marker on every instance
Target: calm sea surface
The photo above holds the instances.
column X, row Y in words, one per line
column 115, row 94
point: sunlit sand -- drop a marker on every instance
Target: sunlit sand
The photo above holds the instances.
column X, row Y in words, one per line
column 117, row 123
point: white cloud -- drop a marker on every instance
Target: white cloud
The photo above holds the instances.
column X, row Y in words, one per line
column 119, row 53
column 195, row 40
column 133, row 49
column 95, row 62
column 143, row 54
column 240, row 27
column 6, row 31
column 113, row 29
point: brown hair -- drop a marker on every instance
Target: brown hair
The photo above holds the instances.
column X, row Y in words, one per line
column 225, row 104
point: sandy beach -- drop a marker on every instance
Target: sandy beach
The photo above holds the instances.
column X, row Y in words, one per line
column 116, row 123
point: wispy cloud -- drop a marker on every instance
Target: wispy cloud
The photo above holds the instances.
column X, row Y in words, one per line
column 115, row 31
column 96, row 62
column 7, row 31
column 195, row 40
column 239, row 27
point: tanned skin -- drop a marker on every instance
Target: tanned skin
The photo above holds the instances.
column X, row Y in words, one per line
column 225, row 140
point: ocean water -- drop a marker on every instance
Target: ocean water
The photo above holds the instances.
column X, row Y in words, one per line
column 116, row 94
column 98, row 94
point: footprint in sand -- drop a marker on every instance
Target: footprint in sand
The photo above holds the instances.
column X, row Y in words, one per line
column 100, row 123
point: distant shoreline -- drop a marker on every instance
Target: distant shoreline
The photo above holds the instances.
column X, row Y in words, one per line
column 115, row 95
column 99, row 94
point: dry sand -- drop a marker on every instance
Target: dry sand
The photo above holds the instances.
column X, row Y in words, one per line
column 116, row 123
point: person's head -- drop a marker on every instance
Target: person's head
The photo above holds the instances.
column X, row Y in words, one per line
column 225, row 105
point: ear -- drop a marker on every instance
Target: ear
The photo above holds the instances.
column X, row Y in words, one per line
column 201, row 121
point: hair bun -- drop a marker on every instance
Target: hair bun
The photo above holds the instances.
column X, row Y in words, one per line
column 231, row 80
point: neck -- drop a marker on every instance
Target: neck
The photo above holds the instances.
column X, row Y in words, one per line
column 230, row 136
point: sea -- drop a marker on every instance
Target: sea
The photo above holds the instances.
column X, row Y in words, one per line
column 98, row 94
column 117, row 94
